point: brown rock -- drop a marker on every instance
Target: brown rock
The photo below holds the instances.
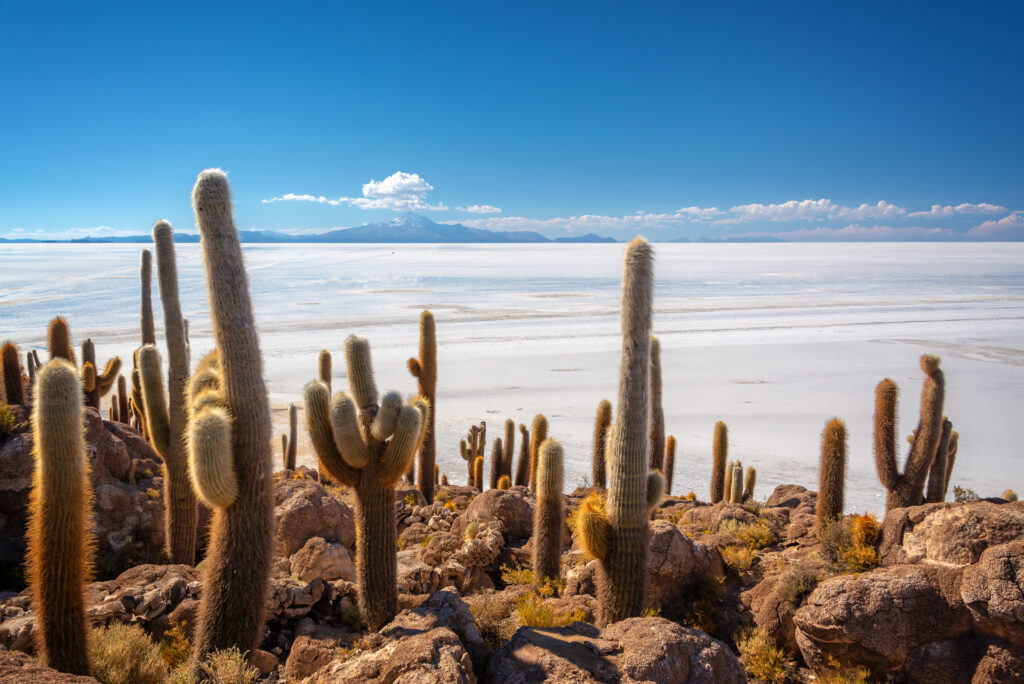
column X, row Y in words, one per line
column 948, row 534
column 19, row 668
column 789, row 496
column 320, row 558
column 304, row 509
column 512, row 507
column 432, row 657
column 262, row 660
column 442, row 609
column 993, row 591
column 440, row 547
column 313, row 649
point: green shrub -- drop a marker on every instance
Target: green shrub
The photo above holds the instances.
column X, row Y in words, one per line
column 124, row 654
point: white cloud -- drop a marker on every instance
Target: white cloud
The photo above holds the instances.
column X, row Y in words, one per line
column 398, row 192
column 810, row 210
column 940, row 211
column 480, row 209
column 1007, row 228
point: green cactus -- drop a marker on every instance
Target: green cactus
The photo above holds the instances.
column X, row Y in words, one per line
column 211, row 465
column 720, row 475
column 146, row 305
column 367, row 446
column 601, row 424
column 14, row 389
column 618, row 537
column 103, row 381
column 670, row 462
column 831, row 473
column 508, row 448
column 240, row 549
column 907, row 488
column 59, row 549
column 523, row 466
column 58, row 340
column 736, row 484
column 656, row 425
column 538, row 434
column 496, row 459
column 935, row 491
column 424, row 369
column 468, row 458
column 749, row 481
column 549, row 518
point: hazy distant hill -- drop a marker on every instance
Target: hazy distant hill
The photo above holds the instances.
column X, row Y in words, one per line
column 404, row 228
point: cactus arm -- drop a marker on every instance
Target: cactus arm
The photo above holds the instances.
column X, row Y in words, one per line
column 383, row 425
column 478, row 473
column 362, row 386
column 749, row 481
column 291, row 452
column 719, row 454
column 832, row 473
column 496, row 458
column 954, row 439
column 670, row 463
column 655, row 490
column 601, row 423
column 593, row 528
column 929, row 430
column 656, row 424
column 345, row 427
column 508, row 448
column 936, row 490
column 211, row 466
column 401, row 447
column 886, row 398
column 58, row 340
column 146, row 300
column 523, row 467
column 538, row 435
column 317, row 402
column 154, row 401
column 88, row 377
column 109, row 375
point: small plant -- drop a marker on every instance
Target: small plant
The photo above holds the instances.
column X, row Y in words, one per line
column 350, row 616
column 797, row 583
column 7, row 422
column 425, row 541
column 402, row 543
column 492, row 621
column 841, row 675
column 756, row 535
column 229, row 667
column 962, row 495
column 410, row 499
column 651, row 612
column 533, row 612
column 510, row 575
column 175, row 648
column 739, row 558
column 849, row 543
column 449, row 504
column 124, row 654
column 152, row 493
column 762, row 658
column 471, row 530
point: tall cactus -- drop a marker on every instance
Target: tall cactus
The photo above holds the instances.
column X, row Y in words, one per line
column 670, row 463
column 241, row 538
column 104, row 381
column 523, row 465
column 122, row 399
column 736, row 484
column 367, row 445
column 58, row 340
column 508, row 448
column 601, row 423
column 954, row 439
column 424, row 369
column 549, row 520
column 537, row 437
column 719, row 454
column 14, row 389
column 497, row 456
column 656, row 425
column 618, row 538
column 59, row 552
column 291, row 446
column 831, row 473
column 478, row 473
column 935, row 492
column 907, row 488
column 749, row 482
column 146, row 303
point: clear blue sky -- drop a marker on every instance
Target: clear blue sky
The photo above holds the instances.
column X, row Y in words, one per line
column 673, row 119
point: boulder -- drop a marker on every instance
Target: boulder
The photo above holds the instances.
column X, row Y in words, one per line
column 304, row 509
column 512, row 507
column 954, row 535
column 444, row 609
column 19, row 668
column 313, row 650
column 320, row 558
column 993, row 591
column 432, row 657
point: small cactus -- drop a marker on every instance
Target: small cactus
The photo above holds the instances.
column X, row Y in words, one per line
column 424, row 369
column 508, row 447
column 736, row 482
column 504, row 482
column 549, row 518
column 523, row 466
column 670, row 463
column 1008, row 495
column 727, row 484
column 324, row 367
column 58, row 341
column 537, row 437
column 749, row 481
column 291, row 450
column 103, row 381
column 478, row 473
column 601, row 424
column 935, row 492
column 14, row 389
column 720, row 475
column 831, row 473
column 496, row 458
column 656, row 424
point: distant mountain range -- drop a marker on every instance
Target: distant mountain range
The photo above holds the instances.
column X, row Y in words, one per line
column 404, row 228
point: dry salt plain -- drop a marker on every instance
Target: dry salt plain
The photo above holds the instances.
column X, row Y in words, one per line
column 774, row 339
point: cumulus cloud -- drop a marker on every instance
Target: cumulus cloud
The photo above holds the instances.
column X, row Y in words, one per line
column 940, row 211
column 1007, row 228
column 810, row 210
column 480, row 209
column 398, row 192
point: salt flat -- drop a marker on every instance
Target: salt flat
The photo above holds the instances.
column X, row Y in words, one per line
column 774, row 339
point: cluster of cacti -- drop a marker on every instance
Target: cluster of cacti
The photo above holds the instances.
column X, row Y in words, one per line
column 289, row 444
column 732, row 480
column 656, row 420
column 670, row 463
column 32, row 364
column 549, row 518
column 942, row 465
column 241, row 537
column 119, row 402
column 13, row 383
column 538, row 434
column 601, row 423
column 97, row 384
column 367, row 445
column 831, row 473
column 618, row 535
column 719, row 454
column 472, row 448
column 424, row 369
column 907, row 488
column 59, row 550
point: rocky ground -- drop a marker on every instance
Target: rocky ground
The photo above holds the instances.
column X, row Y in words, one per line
column 939, row 598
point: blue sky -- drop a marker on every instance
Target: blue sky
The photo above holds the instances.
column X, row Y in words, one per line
column 810, row 120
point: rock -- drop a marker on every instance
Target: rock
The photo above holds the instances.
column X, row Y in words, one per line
column 288, row 600
column 415, row 576
column 670, row 565
column 468, row 567
column 948, row 534
column 634, row 650
column 999, row 664
column 440, row 547
column 877, row 618
column 414, row 534
column 19, row 668
column 993, row 591
column 512, row 507
column 432, row 657
column 709, row 517
column 788, row 496
column 442, row 609
column 319, row 558
column 313, row 648
column 304, row 509
column 403, row 492
column 263, row 661
column 581, row 579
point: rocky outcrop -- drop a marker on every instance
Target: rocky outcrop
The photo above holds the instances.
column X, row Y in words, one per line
column 513, row 508
column 323, row 559
column 19, row 668
column 993, row 591
column 304, row 509
column 948, row 534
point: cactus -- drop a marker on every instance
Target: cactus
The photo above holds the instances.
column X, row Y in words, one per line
column 656, row 421
column 323, row 363
column 954, row 439
column 523, row 466
column 211, row 465
column 748, row 483
column 367, row 446
column 601, row 423
column 935, row 492
column 670, row 462
column 146, row 305
column 736, row 484
column 537, row 437
column 719, row 453
column 31, row 363
column 424, row 369
column 58, row 341
column 907, row 488
column 122, row 399
column 241, row 536
column 496, row 460
column 1008, row 495
column 103, row 381
column 508, row 448
column 831, row 473
column 291, row 443
column 549, row 518
column 59, row 550
column 618, row 536
column 464, row 453
column 437, row 475
column 478, row 473
column 444, row 480
column 14, row 390
column 504, row 482
column 727, row 484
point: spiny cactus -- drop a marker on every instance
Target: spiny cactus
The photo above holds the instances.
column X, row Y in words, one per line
column 58, row 341
column 14, row 389
column 601, row 424
column 727, row 484
column 146, row 304
column 497, row 455
column 444, row 480
column 468, row 458
column 537, row 437
column 831, row 473
column 31, row 363
column 508, row 448
column 954, row 439
column 670, row 463
column 935, row 492
column 122, row 399
column 478, row 473
column 367, row 445
column 656, row 425
column 719, row 453
column 104, row 381
column 749, row 481
column 424, row 369
column 736, row 484
column 211, row 464
column 289, row 442
column 549, row 518
column 523, row 466
column 59, row 549
column 323, row 362
column 1008, row 495
column 907, row 488
column 504, row 482
column 618, row 538
column 241, row 538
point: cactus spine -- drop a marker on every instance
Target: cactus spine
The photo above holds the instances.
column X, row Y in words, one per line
column 523, row 467
column 748, row 483
column 719, row 453
column 549, row 518
column 58, row 341
column 59, row 551
column 907, row 488
column 656, row 424
column 146, row 304
column 831, row 473
column 424, row 369
column 601, row 424
column 14, row 390
column 670, row 463
column 539, row 434
column 618, row 537
column 367, row 446
column 241, row 537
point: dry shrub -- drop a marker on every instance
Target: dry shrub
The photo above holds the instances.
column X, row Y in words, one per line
column 124, row 654
column 762, row 658
column 739, row 558
column 533, row 612
column 7, row 422
column 175, row 648
column 756, row 535
column 492, row 620
column 229, row 667
column 849, row 542
column 796, row 583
